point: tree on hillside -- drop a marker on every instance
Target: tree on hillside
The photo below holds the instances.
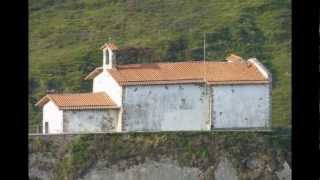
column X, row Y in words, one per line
column 177, row 49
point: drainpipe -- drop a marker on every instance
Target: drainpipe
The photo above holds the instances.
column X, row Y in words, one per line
column 120, row 115
column 270, row 101
column 210, row 107
column 209, row 96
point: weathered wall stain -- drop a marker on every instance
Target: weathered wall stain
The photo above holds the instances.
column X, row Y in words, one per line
column 241, row 106
column 164, row 108
column 90, row 120
column 195, row 107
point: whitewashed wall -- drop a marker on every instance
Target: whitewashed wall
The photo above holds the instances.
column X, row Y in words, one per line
column 241, row 106
column 53, row 116
column 165, row 108
column 104, row 82
column 90, row 120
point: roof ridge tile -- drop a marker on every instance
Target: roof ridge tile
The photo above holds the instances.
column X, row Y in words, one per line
column 162, row 72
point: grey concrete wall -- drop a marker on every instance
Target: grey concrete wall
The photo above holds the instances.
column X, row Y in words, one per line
column 165, row 108
column 90, row 120
column 241, row 106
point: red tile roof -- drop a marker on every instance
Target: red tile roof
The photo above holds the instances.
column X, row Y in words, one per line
column 112, row 46
column 79, row 101
column 211, row 72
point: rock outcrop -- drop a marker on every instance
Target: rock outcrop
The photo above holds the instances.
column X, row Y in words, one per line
column 155, row 156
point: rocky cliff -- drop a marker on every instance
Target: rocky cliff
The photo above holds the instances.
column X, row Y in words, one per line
column 158, row 156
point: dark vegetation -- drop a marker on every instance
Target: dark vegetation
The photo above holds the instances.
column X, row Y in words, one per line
column 65, row 36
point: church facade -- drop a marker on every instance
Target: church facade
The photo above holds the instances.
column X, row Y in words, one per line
column 173, row 96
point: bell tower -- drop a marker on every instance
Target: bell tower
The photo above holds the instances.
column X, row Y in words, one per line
column 109, row 56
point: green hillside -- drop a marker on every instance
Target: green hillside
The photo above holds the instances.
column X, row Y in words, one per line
column 65, row 36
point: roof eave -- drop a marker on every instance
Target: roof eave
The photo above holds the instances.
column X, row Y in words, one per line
column 88, row 107
column 43, row 101
column 261, row 68
column 132, row 83
column 238, row 82
column 93, row 74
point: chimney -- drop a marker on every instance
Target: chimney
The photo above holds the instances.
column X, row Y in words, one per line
column 234, row 58
column 109, row 56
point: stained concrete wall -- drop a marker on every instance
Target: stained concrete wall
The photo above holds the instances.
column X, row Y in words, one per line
column 104, row 82
column 53, row 116
column 241, row 106
column 165, row 108
column 90, row 120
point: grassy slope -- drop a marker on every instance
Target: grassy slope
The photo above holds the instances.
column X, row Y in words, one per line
column 65, row 36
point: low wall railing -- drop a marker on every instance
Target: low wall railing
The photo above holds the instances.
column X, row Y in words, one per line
column 35, row 129
column 170, row 132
